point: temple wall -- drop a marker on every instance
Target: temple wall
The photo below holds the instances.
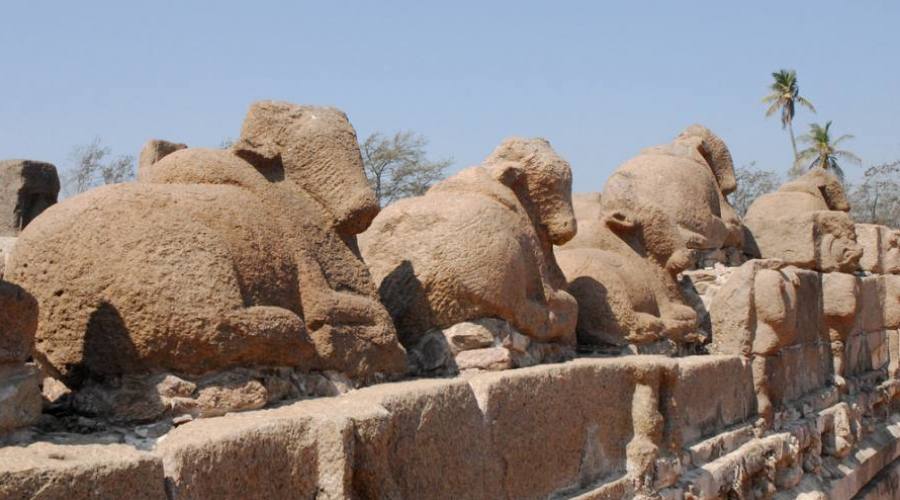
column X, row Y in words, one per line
column 559, row 430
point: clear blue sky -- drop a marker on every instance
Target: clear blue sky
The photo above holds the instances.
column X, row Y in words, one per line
column 599, row 80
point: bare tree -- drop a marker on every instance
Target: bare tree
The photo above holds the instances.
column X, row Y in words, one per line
column 751, row 184
column 877, row 199
column 397, row 166
column 93, row 167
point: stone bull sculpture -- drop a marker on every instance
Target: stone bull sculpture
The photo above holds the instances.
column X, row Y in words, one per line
column 805, row 223
column 687, row 180
column 216, row 259
column 478, row 245
column 623, row 275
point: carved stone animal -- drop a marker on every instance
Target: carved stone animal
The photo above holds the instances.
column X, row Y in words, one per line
column 478, row 245
column 755, row 314
column 623, row 277
column 216, row 259
column 687, row 180
column 805, row 223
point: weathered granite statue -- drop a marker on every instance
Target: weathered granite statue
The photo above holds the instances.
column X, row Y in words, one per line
column 805, row 223
column 27, row 188
column 153, row 151
column 623, row 274
column 216, row 259
column 881, row 248
column 841, row 306
column 755, row 314
column 657, row 212
column 479, row 245
column 687, row 180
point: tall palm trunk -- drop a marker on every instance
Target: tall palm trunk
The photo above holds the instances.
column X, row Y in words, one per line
column 793, row 142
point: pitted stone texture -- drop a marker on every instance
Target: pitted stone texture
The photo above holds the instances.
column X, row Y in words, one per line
column 872, row 314
column 797, row 371
column 866, row 352
column 54, row 472
column 470, row 437
column 693, row 413
column 479, row 245
column 687, row 180
column 403, row 450
column 805, row 223
column 153, row 151
column 27, row 188
column 756, row 310
column 400, row 440
column 20, row 396
column 891, row 301
column 530, row 412
column 284, row 453
column 841, row 296
column 214, row 261
column 18, row 323
column 881, row 248
column 623, row 276
column 477, row 437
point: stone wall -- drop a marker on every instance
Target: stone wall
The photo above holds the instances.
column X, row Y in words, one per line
column 566, row 430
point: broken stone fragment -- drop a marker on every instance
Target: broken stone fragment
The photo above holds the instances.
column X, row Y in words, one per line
column 20, row 396
column 27, row 188
column 153, row 151
column 490, row 358
column 881, row 248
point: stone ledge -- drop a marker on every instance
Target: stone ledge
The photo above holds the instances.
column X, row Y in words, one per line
column 73, row 472
column 561, row 431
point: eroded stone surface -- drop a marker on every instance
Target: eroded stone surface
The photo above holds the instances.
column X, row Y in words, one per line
column 27, row 188
column 687, row 180
column 511, row 209
column 55, row 472
column 153, row 151
column 881, row 248
column 211, row 262
column 805, row 223
column 20, row 396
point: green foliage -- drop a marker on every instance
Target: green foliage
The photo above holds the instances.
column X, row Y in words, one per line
column 823, row 151
column 785, row 95
column 397, row 166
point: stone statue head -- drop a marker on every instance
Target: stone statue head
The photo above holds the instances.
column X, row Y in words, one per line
column 315, row 149
column 837, row 248
column 546, row 179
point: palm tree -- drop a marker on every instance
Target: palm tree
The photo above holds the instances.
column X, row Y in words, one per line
column 785, row 95
column 823, row 151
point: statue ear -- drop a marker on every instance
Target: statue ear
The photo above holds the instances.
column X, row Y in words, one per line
column 507, row 173
column 620, row 221
column 833, row 193
column 262, row 129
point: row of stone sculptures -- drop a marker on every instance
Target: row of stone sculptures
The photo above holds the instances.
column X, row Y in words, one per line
column 248, row 257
